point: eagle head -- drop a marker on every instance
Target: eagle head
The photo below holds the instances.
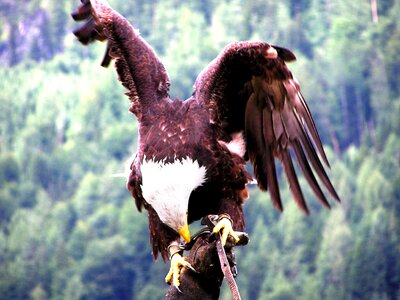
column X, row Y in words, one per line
column 167, row 186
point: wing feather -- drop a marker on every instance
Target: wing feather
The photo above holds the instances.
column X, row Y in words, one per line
column 293, row 91
column 259, row 134
column 138, row 67
column 275, row 119
column 255, row 141
column 315, row 162
column 270, row 169
column 293, row 181
column 308, row 173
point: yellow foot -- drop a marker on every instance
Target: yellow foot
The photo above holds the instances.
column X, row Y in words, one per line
column 177, row 262
column 225, row 225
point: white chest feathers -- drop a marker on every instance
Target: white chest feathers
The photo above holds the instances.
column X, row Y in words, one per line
column 167, row 187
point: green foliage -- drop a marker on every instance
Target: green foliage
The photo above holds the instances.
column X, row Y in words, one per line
column 104, row 271
column 331, row 261
column 68, row 230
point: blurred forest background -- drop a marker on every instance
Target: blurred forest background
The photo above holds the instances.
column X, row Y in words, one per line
column 70, row 231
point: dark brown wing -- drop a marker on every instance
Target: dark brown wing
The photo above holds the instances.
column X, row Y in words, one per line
column 138, row 67
column 249, row 88
column 142, row 73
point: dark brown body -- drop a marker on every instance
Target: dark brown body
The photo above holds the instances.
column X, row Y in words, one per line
column 177, row 129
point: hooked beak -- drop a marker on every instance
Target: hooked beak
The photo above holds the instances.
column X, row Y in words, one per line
column 184, row 232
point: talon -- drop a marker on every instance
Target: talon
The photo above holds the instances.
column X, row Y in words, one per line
column 178, row 289
column 225, row 225
column 177, row 262
column 189, row 266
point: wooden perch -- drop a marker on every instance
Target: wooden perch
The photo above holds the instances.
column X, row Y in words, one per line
column 206, row 283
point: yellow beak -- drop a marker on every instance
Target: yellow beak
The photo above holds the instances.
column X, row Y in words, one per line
column 184, row 232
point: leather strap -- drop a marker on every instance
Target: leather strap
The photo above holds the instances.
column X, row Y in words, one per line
column 226, row 269
column 211, row 221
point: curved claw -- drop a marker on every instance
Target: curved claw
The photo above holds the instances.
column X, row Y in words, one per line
column 225, row 225
column 177, row 262
column 178, row 289
column 189, row 266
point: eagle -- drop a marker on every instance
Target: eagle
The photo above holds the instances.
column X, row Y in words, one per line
column 192, row 155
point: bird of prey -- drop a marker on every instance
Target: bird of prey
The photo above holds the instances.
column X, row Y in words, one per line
column 191, row 156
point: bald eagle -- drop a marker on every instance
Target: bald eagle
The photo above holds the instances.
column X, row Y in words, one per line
column 191, row 156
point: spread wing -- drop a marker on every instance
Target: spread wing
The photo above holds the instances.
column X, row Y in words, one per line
column 249, row 88
column 137, row 65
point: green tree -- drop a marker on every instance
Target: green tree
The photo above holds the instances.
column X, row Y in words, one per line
column 373, row 266
column 183, row 57
column 106, row 271
column 331, row 262
column 9, row 180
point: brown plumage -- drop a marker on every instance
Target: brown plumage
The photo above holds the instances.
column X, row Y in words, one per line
column 247, row 97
